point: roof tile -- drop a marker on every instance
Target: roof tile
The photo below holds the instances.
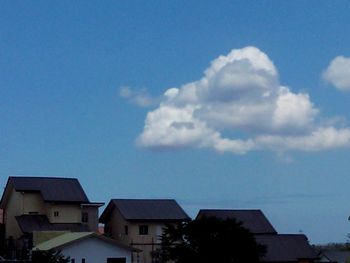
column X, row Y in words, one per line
column 52, row 189
column 30, row 223
column 147, row 209
column 286, row 248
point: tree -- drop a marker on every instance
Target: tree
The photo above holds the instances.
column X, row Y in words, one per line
column 50, row 256
column 210, row 240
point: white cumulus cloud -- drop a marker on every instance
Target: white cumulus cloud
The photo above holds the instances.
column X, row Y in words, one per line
column 239, row 106
column 338, row 73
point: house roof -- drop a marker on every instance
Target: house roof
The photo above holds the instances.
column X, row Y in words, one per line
column 254, row 220
column 286, row 248
column 30, row 223
column 68, row 238
column 334, row 255
column 146, row 210
column 52, row 189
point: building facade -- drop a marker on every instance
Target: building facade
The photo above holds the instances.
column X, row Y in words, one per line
column 281, row 248
column 45, row 204
column 140, row 223
column 87, row 247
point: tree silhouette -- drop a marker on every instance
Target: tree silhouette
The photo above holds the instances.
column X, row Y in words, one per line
column 209, row 240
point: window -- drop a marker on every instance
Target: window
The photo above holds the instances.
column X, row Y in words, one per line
column 33, row 213
column 72, row 260
column 56, row 214
column 84, row 217
column 126, row 230
column 143, row 230
column 83, row 260
column 116, row 260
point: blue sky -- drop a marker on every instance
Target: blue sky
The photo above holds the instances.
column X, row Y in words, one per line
column 64, row 66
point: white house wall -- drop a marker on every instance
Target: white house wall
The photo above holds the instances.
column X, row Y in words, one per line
column 95, row 250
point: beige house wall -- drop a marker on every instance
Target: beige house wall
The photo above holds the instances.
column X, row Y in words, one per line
column 92, row 218
column 14, row 208
column 147, row 243
column 33, row 203
column 68, row 213
column 154, row 232
column 116, row 227
column 1, row 216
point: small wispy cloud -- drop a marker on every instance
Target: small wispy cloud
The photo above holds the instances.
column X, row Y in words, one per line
column 140, row 98
column 338, row 73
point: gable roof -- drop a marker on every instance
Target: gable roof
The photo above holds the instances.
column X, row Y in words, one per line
column 30, row 223
column 68, row 238
column 52, row 189
column 286, row 248
column 146, row 210
column 254, row 220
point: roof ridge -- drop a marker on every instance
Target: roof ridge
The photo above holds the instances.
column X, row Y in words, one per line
column 299, row 234
column 42, row 177
column 230, row 209
column 143, row 199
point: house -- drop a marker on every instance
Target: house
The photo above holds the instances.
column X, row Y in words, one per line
column 334, row 253
column 87, row 247
column 45, row 203
column 139, row 222
column 254, row 220
column 287, row 248
column 281, row 248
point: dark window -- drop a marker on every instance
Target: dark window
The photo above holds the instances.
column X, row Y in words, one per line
column 143, row 230
column 33, row 213
column 84, row 217
column 72, row 260
column 56, row 214
column 83, row 260
column 116, row 260
column 126, row 230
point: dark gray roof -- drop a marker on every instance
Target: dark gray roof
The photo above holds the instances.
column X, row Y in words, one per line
column 30, row 223
column 286, row 248
column 254, row 220
column 52, row 189
column 336, row 255
column 146, row 210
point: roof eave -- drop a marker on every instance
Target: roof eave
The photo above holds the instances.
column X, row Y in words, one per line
column 2, row 202
column 98, row 204
column 177, row 220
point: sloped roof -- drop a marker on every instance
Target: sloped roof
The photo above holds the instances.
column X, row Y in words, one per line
column 61, row 240
column 52, row 189
column 336, row 255
column 146, row 210
column 30, row 223
column 286, row 248
column 254, row 220
column 68, row 238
